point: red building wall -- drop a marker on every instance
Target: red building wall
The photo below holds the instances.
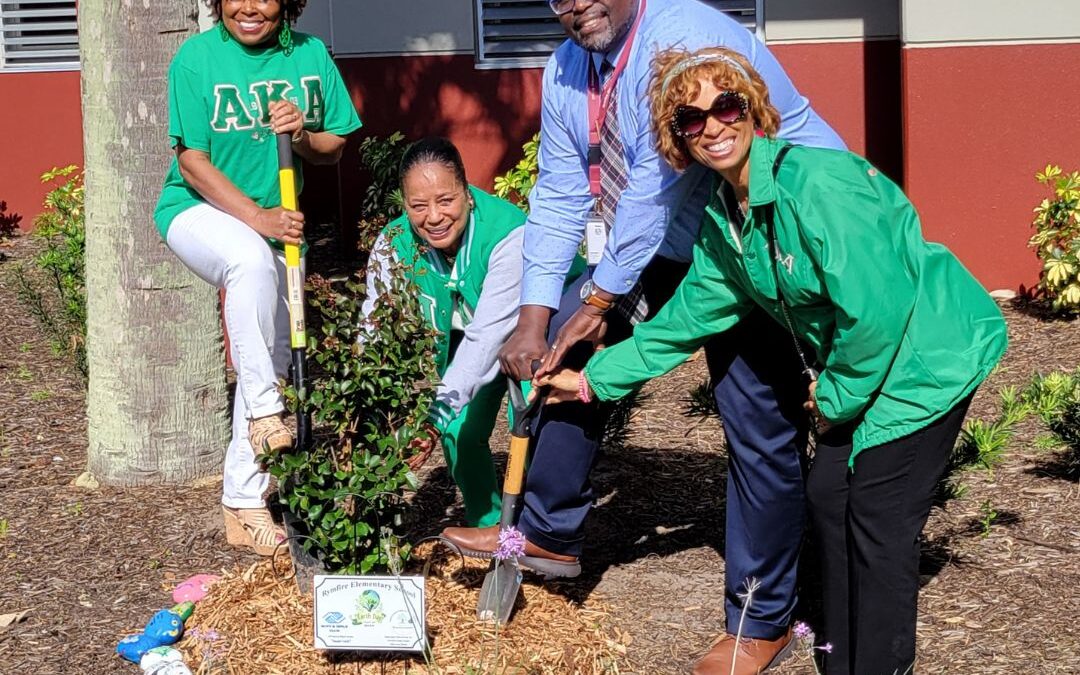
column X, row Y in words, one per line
column 488, row 114
column 979, row 122
column 855, row 87
column 41, row 118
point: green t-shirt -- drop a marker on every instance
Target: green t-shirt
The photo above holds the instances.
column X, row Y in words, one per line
column 219, row 93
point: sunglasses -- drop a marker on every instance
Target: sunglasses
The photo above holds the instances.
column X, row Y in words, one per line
column 561, row 7
column 728, row 108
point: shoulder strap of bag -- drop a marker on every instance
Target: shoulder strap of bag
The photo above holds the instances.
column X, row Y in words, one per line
column 770, row 217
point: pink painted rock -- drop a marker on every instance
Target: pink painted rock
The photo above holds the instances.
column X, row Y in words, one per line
column 194, row 589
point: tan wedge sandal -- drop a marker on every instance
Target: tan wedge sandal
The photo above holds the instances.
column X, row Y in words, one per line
column 253, row 528
column 269, row 434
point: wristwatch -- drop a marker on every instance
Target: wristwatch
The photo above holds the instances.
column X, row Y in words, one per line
column 589, row 297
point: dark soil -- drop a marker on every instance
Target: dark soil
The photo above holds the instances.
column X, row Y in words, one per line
column 92, row 565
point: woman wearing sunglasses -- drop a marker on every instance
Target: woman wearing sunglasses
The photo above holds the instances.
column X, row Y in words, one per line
column 902, row 335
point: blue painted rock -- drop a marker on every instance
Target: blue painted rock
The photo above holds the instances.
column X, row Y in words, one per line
column 164, row 628
column 133, row 647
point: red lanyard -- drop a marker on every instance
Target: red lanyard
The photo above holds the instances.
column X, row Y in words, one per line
column 600, row 101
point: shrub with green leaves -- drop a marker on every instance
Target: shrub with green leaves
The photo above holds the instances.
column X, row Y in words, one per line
column 1056, row 399
column 381, row 158
column 701, row 402
column 516, row 184
column 1048, row 395
column 56, row 294
column 1057, row 239
column 369, row 400
column 9, row 222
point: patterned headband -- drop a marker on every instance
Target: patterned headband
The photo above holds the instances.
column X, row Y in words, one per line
column 692, row 61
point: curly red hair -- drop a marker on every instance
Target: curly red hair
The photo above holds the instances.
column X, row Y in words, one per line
column 675, row 84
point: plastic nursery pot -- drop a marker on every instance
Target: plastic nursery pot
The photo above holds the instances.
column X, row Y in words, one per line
column 305, row 565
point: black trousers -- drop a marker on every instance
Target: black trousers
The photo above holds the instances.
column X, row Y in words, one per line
column 867, row 523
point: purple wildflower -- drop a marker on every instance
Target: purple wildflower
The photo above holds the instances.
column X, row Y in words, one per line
column 827, row 648
column 802, row 630
column 511, row 544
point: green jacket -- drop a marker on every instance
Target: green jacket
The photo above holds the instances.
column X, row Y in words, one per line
column 902, row 330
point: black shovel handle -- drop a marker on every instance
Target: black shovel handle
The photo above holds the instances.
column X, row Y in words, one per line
column 524, row 411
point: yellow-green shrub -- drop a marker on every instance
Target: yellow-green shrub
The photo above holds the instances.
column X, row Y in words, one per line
column 1057, row 238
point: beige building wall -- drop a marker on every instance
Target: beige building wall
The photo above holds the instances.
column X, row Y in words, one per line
column 381, row 28
column 788, row 21
column 988, row 21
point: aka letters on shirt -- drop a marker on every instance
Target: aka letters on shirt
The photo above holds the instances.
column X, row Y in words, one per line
column 219, row 103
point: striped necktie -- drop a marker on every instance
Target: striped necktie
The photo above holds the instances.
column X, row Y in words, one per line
column 613, row 180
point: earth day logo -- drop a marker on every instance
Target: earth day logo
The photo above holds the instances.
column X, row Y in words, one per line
column 368, row 608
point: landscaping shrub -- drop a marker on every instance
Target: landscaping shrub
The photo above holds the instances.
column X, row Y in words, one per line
column 1057, row 239
column 1056, row 399
column 9, row 222
column 516, row 184
column 701, row 402
column 381, row 158
column 369, row 402
column 55, row 292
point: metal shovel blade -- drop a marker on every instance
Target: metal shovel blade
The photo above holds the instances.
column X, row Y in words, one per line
column 499, row 592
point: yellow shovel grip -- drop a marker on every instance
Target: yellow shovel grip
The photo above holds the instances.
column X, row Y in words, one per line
column 515, row 469
column 295, row 280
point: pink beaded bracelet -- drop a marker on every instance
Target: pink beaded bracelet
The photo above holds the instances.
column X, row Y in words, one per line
column 583, row 388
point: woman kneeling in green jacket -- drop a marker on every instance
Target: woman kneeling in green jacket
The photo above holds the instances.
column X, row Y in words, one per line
column 462, row 248
column 902, row 334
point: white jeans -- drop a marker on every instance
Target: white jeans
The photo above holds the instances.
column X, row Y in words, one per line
column 228, row 254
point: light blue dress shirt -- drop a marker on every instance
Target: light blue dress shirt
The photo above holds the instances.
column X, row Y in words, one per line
column 660, row 211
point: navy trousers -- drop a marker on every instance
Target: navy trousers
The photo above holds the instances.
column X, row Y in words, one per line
column 756, row 381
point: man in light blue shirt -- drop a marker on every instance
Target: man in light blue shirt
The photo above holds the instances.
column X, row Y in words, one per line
column 648, row 248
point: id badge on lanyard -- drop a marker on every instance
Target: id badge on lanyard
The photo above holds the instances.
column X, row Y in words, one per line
column 595, row 236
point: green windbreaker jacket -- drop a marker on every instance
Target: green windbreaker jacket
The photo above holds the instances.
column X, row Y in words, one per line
column 903, row 332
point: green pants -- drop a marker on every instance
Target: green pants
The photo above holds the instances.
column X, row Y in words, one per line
column 468, row 455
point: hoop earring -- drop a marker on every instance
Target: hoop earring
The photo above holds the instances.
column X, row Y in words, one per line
column 223, row 31
column 285, row 38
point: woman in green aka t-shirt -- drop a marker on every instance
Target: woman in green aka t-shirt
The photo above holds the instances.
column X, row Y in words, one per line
column 462, row 248
column 902, row 334
column 231, row 90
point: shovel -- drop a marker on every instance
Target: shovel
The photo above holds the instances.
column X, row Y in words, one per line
column 295, row 285
column 503, row 580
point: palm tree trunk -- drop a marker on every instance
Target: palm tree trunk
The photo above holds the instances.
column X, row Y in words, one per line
column 157, row 400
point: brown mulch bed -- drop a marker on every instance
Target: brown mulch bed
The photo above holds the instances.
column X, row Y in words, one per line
column 93, row 565
column 253, row 623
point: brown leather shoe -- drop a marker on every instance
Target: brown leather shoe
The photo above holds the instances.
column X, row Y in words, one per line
column 481, row 542
column 755, row 655
column 475, row 542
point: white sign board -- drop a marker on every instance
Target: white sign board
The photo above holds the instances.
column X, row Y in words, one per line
column 370, row 613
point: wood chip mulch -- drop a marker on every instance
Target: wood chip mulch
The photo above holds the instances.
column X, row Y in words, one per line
column 256, row 622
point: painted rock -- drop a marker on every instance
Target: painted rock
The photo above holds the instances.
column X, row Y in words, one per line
column 194, row 589
column 164, row 628
column 133, row 647
column 164, row 661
